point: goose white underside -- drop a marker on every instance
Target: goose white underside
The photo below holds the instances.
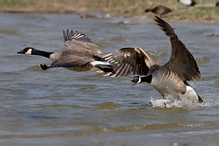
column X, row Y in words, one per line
column 94, row 63
column 190, row 95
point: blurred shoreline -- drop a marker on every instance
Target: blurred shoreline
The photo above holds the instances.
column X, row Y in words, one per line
column 204, row 12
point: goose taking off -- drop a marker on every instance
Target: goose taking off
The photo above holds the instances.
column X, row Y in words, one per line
column 82, row 54
column 170, row 79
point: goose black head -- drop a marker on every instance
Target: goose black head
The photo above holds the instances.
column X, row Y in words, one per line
column 27, row 50
column 135, row 80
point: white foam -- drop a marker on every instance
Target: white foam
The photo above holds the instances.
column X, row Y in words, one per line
column 184, row 103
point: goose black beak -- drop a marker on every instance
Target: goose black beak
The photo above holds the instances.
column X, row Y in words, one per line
column 20, row 52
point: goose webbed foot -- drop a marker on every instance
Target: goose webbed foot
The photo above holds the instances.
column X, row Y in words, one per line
column 44, row 66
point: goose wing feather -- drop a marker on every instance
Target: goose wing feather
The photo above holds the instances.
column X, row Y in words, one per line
column 181, row 61
column 129, row 61
column 80, row 42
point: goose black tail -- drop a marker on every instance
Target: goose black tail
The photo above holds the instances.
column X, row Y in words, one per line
column 105, row 68
column 98, row 58
column 200, row 100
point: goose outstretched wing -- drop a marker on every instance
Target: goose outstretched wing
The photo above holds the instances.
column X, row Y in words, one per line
column 129, row 61
column 181, row 61
column 80, row 42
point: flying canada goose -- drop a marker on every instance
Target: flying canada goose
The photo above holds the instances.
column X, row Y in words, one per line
column 160, row 10
column 169, row 79
column 82, row 54
column 187, row 2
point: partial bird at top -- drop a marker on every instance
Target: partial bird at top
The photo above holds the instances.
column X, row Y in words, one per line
column 82, row 54
column 187, row 2
column 169, row 79
column 217, row 3
column 159, row 10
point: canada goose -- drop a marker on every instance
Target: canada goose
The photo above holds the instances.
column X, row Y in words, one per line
column 160, row 10
column 187, row 2
column 169, row 79
column 82, row 54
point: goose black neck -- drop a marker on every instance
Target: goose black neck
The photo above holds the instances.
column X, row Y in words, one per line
column 147, row 79
column 41, row 53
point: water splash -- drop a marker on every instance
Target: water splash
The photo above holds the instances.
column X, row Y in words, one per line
column 184, row 103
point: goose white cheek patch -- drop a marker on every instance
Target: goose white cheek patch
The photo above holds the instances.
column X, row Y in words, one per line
column 139, row 80
column 29, row 52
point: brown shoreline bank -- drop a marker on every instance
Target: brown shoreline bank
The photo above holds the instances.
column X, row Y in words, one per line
column 204, row 12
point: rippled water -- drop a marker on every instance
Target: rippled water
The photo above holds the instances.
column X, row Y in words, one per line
column 62, row 106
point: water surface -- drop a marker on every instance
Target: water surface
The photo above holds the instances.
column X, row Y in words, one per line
column 62, row 106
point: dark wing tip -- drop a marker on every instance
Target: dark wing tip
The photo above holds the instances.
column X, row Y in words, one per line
column 169, row 31
column 79, row 36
